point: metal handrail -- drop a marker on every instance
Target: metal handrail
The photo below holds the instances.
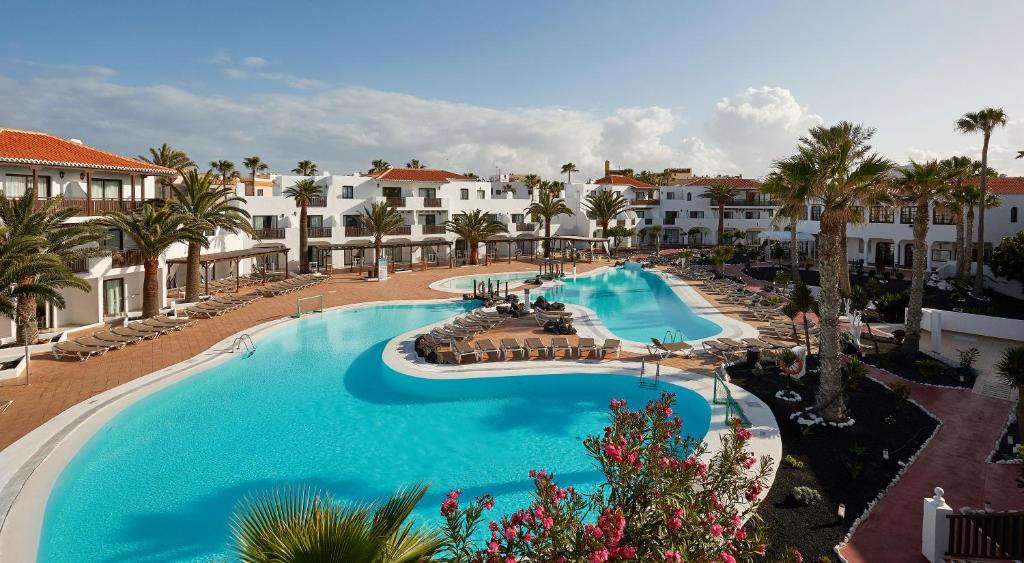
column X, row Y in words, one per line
column 243, row 340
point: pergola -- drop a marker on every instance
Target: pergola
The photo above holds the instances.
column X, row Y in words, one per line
column 401, row 243
column 235, row 256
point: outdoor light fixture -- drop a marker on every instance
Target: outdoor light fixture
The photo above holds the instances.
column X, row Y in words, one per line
column 841, row 512
column 81, row 176
column 885, row 454
column 61, row 174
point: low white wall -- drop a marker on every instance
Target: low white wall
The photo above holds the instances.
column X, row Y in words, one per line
column 981, row 325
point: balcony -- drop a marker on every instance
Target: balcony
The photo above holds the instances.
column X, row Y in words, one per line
column 521, row 227
column 316, row 201
column 431, row 202
column 269, row 234
column 403, row 230
column 78, row 265
column 127, row 258
column 356, row 232
column 319, row 232
column 395, row 201
column 751, row 202
column 433, row 229
column 669, row 221
column 96, row 206
column 645, row 202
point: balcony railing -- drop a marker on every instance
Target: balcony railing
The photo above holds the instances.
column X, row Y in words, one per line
column 395, row 201
column 403, row 230
column 431, row 202
column 78, row 265
column 433, row 229
column 316, row 201
column 356, row 232
column 126, row 258
column 646, row 201
column 744, row 202
column 96, row 206
column 526, row 227
column 268, row 234
column 319, row 232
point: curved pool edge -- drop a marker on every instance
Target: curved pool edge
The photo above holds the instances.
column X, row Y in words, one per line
column 439, row 284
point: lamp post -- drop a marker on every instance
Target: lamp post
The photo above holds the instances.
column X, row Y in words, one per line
column 20, row 321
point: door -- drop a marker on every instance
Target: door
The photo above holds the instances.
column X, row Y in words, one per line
column 113, row 297
column 908, row 256
column 883, row 254
column 392, row 192
column 428, row 193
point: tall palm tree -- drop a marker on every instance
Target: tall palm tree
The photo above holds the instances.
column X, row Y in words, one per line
column 379, row 165
column 720, row 195
column 547, row 208
column 789, row 183
column 532, row 182
column 961, row 169
column 984, row 121
column 415, row 163
column 380, row 220
column 656, row 231
column 154, row 230
column 18, row 262
column 604, row 206
column 569, row 168
column 168, row 157
column 305, row 168
column 256, row 165
column 847, row 175
column 49, row 225
column 226, row 170
column 206, row 208
column 303, row 192
column 297, row 525
column 474, row 227
column 920, row 184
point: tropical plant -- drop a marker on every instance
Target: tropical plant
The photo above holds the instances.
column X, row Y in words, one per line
column 304, row 192
column 154, row 229
column 205, row 208
column 48, row 225
column 305, row 168
column 533, row 183
column 847, row 174
column 789, row 183
column 691, row 233
column 920, row 184
column 225, row 169
column 1010, row 368
column 297, row 525
column 958, row 201
column 984, row 121
column 603, row 206
column 618, row 232
column 471, row 175
column 720, row 195
column 19, row 261
column 546, row 208
column 568, row 168
column 720, row 255
column 415, row 163
column 379, row 165
column 256, row 165
column 664, row 497
column 168, row 157
column 474, row 227
column 1008, row 257
column 801, row 302
column 860, row 298
column 380, row 219
column 733, row 235
column 656, row 231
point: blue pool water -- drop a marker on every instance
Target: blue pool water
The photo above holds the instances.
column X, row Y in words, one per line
column 316, row 406
column 634, row 304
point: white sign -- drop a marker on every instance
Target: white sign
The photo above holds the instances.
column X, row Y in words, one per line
column 382, row 268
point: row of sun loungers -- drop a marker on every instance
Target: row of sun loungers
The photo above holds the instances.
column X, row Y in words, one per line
column 509, row 347
column 291, row 284
column 216, row 306
column 99, row 343
column 465, row 327
column 543, row 317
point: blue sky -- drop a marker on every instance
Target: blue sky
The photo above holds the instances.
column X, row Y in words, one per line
column 722, row 86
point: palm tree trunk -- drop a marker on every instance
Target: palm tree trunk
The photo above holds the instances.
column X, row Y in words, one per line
column 28, row 328
column 959, row 242
column 378, row 247
column 192, row 267
column 721, row 222
column 474, row 251
column 844, row 267
column 912, row 341
column 151, row 288
column 794, row 252
column 547, row 237
column 303, row 240
column 830, row 401
column 968, row 235
column 979, row 275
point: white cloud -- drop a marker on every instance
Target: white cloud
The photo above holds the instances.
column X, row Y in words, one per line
column 296, row 82
column 236, row 73
column 65, row 68
column 254, row 61
column 1006, row 142
column 220, row 58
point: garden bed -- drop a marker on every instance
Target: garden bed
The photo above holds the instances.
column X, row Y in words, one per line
column 1004, row 450
column 845, row 465
column 933, row 372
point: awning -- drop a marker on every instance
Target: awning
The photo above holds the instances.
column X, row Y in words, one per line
column 784, row 236
column 258, row 250
column 319, row 244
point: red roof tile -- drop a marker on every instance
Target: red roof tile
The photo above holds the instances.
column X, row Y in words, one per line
column 418, row 175
column 738, row 183
column 1004, row 185
column 619, row 180
column 33, row 147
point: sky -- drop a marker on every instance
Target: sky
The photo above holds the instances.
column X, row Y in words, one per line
column 724, row 87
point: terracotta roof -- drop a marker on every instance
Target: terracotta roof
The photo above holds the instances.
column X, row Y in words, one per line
column 738, row 183
column 1004, row 185
column 33, row 147
column 619, row 180
column 418, row 175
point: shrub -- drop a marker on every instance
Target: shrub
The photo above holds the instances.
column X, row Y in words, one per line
column 790, row 461
column 1008, row 257
column 898, row 275
column 782, row 277
column 807, row 496
column 968, row 358
column 929, row 369
column 856, row 372
column 901, row 391
column 891, row 305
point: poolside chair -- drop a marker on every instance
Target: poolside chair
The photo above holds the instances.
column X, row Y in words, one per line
column 511, row 346
column 135, row 332
column 586, row 345
column 462, row 349
column 733, row 343
column 766, row 343
column 94, row 342
column 485, row 346
column 561, row 343
column 143, row 325
column 717, row 349
column 681, row 349
column 535, row 344
column 207, row 310
column 610, row 345
column 108, row 336
column 441, row 337
column 543, row 316
column 161, row 324
column 63, row 350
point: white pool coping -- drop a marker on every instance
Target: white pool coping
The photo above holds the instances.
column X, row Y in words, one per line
column 439, row 285
column 30, row 467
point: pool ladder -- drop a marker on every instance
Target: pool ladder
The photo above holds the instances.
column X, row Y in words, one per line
column 650, row 383
column 670, row 336
column 244, row 341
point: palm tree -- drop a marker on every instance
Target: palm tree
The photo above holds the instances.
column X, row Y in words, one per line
column 49, row 225
column 532, row 182
column 972, row 199
column 226, row 170
column 154, row 230
column 415, row 163
column 789, row 183
column 308, row 525
column 547, row 208
column 961, row 169
column 380, row 220
column 379, row 165
column 847, row 174
column 168, row 157
column 569, row 168
column 720, row 195
column 656, row 235
column 303, row 192
column 720, row 255
column 603, row 206
column 801, row 302
column 305, row 168
column 617, row 232
column 1010, row 368
column 984, row 121
column 920, row 184
column 692, row 233
column 205, row 208
column 255, row 164
column 474, row 227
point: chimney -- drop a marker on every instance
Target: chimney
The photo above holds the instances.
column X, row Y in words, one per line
column 607, row 167
column 76, row 141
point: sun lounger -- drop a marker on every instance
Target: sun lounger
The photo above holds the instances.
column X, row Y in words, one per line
column 717, row 349
column 143, row 325
column 561, row 343
column 610, row 345
column 586, row 345
column 135, row 332
column 764, row 344
column 462, row 349
column 207, row 310
column 108, row 336
column 533, row 344
column 511, row 346
column 63, row 350
column 681, row 349
column 160, row 324
column 543, row 316
column 485, row 346
column 441, row 337
column 733, row 343
column 97, row 343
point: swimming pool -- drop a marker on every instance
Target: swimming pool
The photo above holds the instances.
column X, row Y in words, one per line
column 465, row 283
column 316, row 405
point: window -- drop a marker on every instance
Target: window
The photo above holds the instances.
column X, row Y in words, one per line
column 481, row 194
column 430, row 219
column 347, row 192
column 696, row 214
column 729, row 215
column 907, row 215
column 942, row 216
column 17, row 184
column 518, row 218
column 428, row 193
column 640, row 214
column 106, row 189
column 816, row 213
column 113, row 297
column 941, row 255
column 314, row 221
column 689, row 196
column 1013, row 214
column 114, row 240
column 670, row 195
column 492, row 217
column 264, row 221
column 464, row 193
column 803, row 213
column 351, row 220
column 881, row 214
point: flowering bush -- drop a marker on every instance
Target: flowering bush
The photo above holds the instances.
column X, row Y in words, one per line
column 663, row 499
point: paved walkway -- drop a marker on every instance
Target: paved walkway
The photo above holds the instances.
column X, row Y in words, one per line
column 954, row 460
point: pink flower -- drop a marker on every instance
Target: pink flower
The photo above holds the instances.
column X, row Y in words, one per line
column 754, row 491
column 599, row 556
column 511, row 533
column 740, row 534
column 716, row 530
column 736, row 521
column 547, row 522
column 797, row 556
column 510, row 559
column 673, row 557
column 492, row 547
column 627, row 552
column 675, row 523
column 743, row 434
column 749, row 462
column 726, row 558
